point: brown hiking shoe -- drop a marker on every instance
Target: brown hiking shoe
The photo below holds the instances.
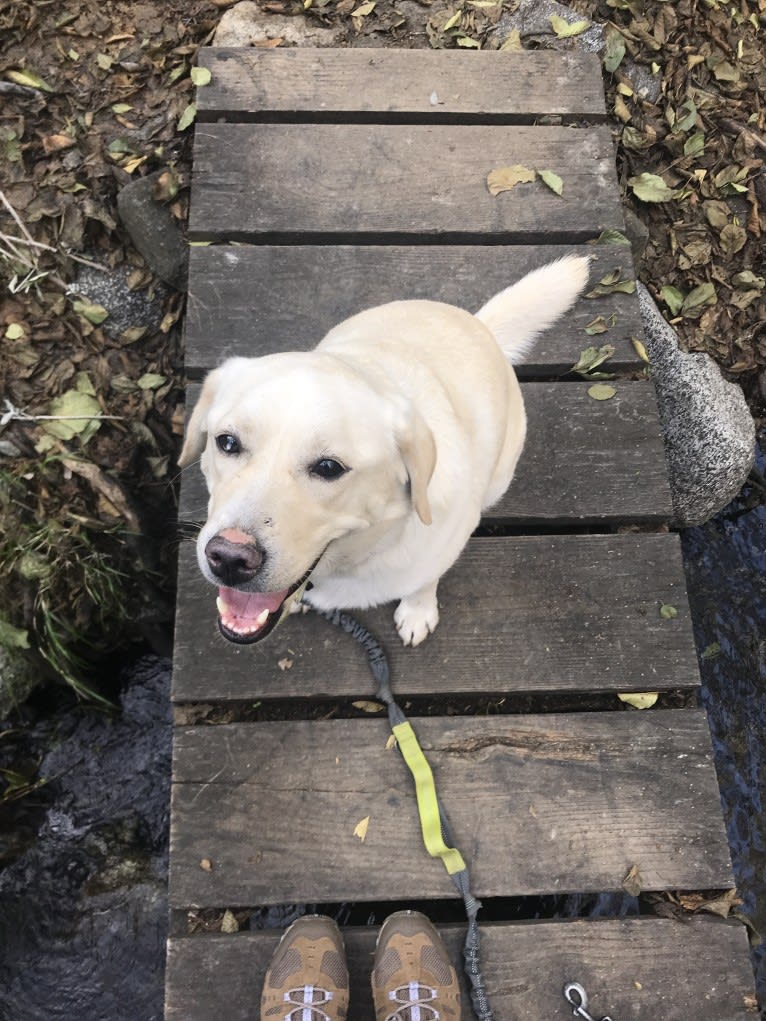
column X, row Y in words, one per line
column 307, row 979
column 412, row 977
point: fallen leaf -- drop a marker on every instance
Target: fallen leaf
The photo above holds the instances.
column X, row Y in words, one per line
column 504, row 178
column 695, row 144
column 200, row 76
column 80, row 415
column 150, row 381
column 284, row 664
column 631, row 884
column 611, row 237
column 747, row 279
column 206, row 865
column 110, row 491
column 467, row 42
column 391, row 742
column 712, row 651
column 368, row 707
column 650, row 188
column 513, row 43
column 640, row 699
column 686, row 116
column 166, row 186
column 14, row 331
column 131, row 165
column 451, row 22
column 229, row 923
column 56, row 143
column 95, row 314
column 28, row 79
column 566, row 29
column 591, row 357
column 672, row 298
column 614, row 50
column 640, row 349
column 601, row 392
column 187, row 117
column 121, row 108
column 553, row 181
column 12, row 637
column 668, row 612
column 612, row 283
column 360, row 830
column 698, row 299
column 733, row 238
column 601, row 325
column 364, row 9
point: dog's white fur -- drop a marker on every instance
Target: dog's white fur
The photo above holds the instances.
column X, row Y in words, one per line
column 418, row 399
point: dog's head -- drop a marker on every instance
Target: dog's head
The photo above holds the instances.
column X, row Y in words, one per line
column 298, row 451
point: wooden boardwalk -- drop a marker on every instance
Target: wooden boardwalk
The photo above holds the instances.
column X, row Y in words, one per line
column 335, row 180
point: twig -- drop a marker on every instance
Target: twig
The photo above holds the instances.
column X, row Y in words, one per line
column 13, row 414
column 16, row 217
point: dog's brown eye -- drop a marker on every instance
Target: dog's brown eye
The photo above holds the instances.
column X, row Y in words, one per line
column 227, row 443
column 328, row 468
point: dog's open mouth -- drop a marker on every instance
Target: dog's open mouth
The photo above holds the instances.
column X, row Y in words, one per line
column 246, row 617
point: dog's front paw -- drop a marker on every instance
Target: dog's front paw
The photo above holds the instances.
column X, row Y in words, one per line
column 416, row 617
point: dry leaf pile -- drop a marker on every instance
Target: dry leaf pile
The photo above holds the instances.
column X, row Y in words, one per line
column 90, row 98
column 692, row 163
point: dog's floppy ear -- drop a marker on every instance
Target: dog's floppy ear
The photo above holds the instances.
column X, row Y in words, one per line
column 196, row 428
column 418, row 450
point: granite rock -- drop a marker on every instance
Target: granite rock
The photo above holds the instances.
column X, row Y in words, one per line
column 709, row 431
column 127, row 309
column 532, row 19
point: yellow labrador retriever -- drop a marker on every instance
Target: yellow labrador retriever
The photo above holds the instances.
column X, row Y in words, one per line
column 365, row 464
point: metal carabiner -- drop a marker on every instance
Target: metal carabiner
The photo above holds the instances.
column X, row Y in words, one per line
column 576, row 997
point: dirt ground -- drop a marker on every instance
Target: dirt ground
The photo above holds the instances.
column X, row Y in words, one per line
column 94, row 95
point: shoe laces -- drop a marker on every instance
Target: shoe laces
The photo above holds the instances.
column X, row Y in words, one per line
column 413, row 997
column 309, row 1007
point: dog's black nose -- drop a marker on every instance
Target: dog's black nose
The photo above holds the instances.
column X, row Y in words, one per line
column 233, row 562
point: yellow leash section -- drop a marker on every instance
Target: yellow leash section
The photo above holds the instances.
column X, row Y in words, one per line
column 428, row 806
column 434, row 825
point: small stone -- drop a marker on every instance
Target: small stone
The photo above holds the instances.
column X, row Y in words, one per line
column 128, row 310
column 246, row 24
column 532, row 19
column 154, row 230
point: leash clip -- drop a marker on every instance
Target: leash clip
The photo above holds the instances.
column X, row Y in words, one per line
column 576, row 996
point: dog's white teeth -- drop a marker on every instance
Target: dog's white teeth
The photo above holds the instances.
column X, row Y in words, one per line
column 221, row 606
column 262, row 618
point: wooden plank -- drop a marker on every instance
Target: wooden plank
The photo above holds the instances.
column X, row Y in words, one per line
column 538, row 805
column 246, row 300
column 249, row 84
column 585, row 462
column 634, row 968
column 555, row 613
column 327, row 182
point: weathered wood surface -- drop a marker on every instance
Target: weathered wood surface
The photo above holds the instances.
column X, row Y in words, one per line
column 538, row 804
column 249, row 84
column 585, row 462
column 632, row 969
column 354, row 181
column 357, row 192
column 253, row 299
column 548, row 613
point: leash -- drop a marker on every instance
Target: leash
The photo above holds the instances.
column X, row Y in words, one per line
column 437, row 835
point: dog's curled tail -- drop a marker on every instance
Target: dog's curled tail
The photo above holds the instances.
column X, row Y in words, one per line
column 522, row 311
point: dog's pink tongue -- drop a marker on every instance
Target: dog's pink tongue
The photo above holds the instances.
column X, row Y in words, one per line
column 246, row 612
